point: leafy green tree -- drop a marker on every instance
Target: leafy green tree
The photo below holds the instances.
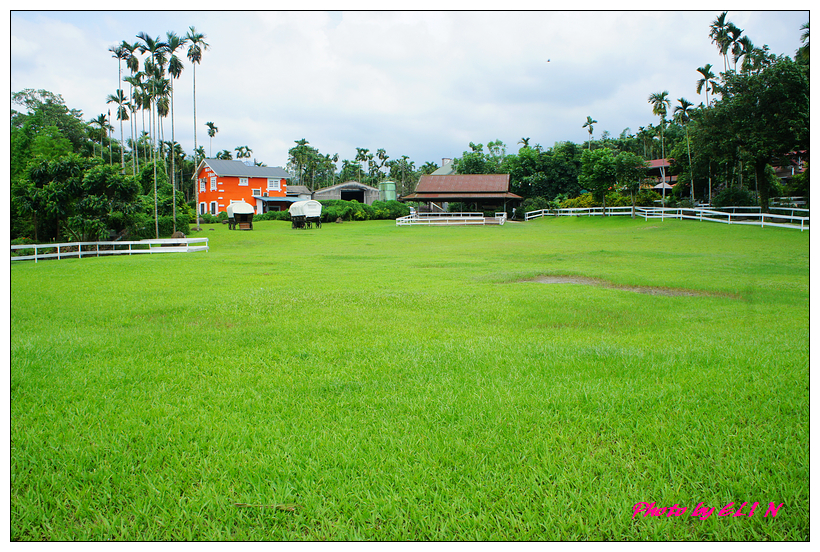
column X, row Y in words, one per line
column 598, row 172
column 74, row 197
column 765, row 115
column 630, row 171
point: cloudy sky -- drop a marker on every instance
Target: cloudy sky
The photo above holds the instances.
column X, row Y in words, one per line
column 417, row 83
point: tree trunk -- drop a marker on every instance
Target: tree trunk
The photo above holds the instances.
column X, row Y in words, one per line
column 760, row 175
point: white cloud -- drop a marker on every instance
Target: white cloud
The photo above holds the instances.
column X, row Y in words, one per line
column 422, row 84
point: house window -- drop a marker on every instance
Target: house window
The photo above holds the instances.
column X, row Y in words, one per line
column 243, row 181
column 213, row 207
column 202, row 208
column 213, row 183
column 274, row 184
column 257, row 192
column 202, row 185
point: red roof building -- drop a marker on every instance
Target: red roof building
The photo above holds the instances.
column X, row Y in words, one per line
column 481, row 190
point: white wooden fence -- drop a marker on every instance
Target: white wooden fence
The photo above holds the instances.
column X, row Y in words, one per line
column 797, row 218
column 450, row 219
column 97, row 249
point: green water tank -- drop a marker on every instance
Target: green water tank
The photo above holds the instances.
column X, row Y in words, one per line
column 387, row 191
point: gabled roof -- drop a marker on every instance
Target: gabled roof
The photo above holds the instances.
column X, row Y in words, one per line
column 350, row 184
column 230, row 167
column 658, row 163
column 445, row 169
column 296, row 189
column 464, row 183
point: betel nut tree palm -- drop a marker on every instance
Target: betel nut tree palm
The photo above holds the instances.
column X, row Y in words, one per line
column 707, row 81
column 197, row 45
column 588, row 126
column 175, row 67
column 683, row 112
column 660, row 103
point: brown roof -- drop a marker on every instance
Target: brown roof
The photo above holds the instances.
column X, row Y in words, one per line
column 464, row 183
column 457, row 196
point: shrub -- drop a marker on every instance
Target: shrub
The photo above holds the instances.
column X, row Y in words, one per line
column 536, row 204
column 21, row 252
column 616, row 199
column 733, row 196
column 391, row 209
column 273, row 215
column 582, row 201
column 647, row 198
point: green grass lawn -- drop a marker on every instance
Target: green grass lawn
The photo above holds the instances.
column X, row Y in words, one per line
column 365, row 381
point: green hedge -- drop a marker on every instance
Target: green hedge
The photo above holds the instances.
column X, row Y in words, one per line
column 333, row 209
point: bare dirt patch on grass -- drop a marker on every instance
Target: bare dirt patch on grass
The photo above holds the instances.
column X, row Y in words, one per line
column 649, row 290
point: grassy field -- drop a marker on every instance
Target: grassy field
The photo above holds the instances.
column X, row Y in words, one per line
column 365, row 381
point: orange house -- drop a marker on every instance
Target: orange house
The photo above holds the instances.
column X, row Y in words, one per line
column 221, row 182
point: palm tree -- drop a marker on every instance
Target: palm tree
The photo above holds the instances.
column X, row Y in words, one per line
column 525, row 143
column 735, row 35
column 212, row 130
column 224, row 154
column 154, row 67
column 660, row 103
column 122, row 114
column 707, row 82
column 138, row 101
column 175, row 67
column 744, row 48
column 242, row 152
column 197, row 46
column 133, row 64
column 683, row 113
column 720, row 36
column 802, row 54
column 588, row 126
column 121, row 52
column 199, row 155
column 101, row 122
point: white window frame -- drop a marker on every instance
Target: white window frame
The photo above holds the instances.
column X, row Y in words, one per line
column 202, row 208
column 243, row 180
column 256, row 192
column 213, row 183
column 274, row 184
column 202, row 185
column 213, row 208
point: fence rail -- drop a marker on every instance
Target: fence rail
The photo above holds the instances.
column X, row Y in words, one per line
column 97, row 249
column 450, row 219
column 728, row 215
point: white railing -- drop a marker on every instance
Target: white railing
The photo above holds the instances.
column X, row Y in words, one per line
column 579, row 212
column 450, row 219
column 97, row 249
column 793, row 200
column 729, row 215
column 750, row 217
